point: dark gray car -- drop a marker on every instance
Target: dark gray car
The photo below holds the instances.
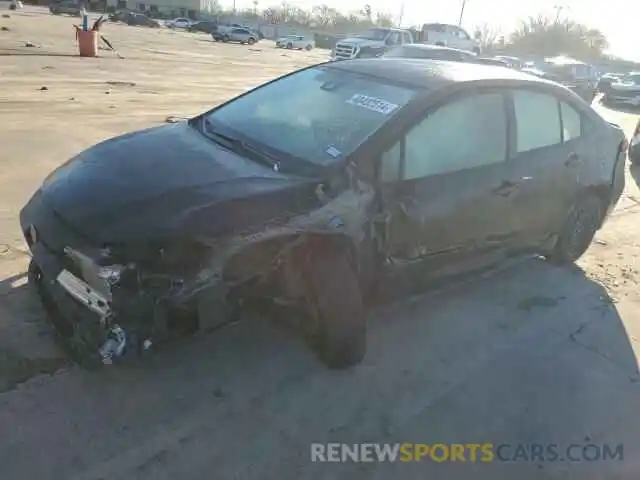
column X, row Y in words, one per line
column 66, row 8
column 312, row 190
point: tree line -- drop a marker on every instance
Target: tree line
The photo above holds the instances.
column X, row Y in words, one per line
column 321, row 17
column 538, row 35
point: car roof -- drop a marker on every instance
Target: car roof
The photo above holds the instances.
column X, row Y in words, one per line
column 430, row 73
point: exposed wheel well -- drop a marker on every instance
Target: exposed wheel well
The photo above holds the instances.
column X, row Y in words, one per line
column 258, row 259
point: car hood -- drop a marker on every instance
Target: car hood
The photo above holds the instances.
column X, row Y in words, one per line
column 168, row 180
column 362, row 42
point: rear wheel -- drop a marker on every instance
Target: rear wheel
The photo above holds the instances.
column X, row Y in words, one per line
column 338, row 333
column 308, row 47
column 289, row 46
column 251, row 41
column 225, row 38
column 578, row 231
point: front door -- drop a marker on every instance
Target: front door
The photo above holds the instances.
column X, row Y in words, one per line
column 446, row 206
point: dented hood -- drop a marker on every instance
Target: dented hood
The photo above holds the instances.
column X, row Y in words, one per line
column 169, row 180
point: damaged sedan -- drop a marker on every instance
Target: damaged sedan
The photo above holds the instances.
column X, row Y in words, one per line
column 310, row 191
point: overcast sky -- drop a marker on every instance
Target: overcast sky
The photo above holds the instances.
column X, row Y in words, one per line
column 618, row 19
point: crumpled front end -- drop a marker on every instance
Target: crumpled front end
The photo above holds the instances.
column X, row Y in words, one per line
column 114, row 301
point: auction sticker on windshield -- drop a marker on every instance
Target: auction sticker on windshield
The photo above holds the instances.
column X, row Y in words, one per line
column 372, row 103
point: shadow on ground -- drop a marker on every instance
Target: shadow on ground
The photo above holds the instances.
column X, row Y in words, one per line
column 526, row 353
column 22, row 324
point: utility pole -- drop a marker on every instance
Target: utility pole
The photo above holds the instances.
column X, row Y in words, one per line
column 464, row 4
column 401, row 15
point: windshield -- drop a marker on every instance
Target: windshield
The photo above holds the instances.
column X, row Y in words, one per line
column 374, row 34
column 319, row 114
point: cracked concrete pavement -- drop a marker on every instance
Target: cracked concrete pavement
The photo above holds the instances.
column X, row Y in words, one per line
column 531, row 353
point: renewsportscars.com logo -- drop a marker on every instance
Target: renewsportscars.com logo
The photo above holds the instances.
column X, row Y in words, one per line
column 465, row 452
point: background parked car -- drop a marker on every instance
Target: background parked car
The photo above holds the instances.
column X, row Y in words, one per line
column 240, row 35
column 491, row 61
column 624, row 91
column 179, row 23
column 141, row 19
column 226, row 29
column 298, row 42
column 578, row 76
column 514, row 62
column 205, row 26
column 605, row 81
column 430, row 52
column 66, row 8
column 445, row 35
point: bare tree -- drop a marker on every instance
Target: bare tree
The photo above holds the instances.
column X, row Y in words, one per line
column 545, row 36
column 212, row 7
column 367, row 12
column 384, row 19
column 487, row 36
column 324, row 15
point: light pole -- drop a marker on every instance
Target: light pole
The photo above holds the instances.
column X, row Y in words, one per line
column 464, row 4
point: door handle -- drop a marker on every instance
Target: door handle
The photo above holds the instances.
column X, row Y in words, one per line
column 572, row 159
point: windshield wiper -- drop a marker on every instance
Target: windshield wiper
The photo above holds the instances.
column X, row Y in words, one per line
column 240, row 146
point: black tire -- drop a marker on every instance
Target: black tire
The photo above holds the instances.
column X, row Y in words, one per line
column 339, row 324
column 251, row 41
column 578, row 231
column 308, row 48
column 225, row 38
column 289, row 46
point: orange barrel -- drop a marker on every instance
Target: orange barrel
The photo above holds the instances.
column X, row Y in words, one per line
column 87, row 43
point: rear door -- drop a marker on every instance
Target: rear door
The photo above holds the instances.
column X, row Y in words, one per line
column 543, row 174
column 439, row 182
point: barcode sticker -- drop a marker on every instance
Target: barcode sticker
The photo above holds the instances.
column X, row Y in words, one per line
column 372, row 103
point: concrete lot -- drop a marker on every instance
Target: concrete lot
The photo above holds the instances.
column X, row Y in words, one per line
column 530, row 354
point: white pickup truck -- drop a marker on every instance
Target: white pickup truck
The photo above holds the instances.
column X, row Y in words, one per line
column 446, row 35
column 370, row 43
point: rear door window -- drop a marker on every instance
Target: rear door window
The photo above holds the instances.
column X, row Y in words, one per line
column 452, row 139
column 571, row 122
column 537, row 120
